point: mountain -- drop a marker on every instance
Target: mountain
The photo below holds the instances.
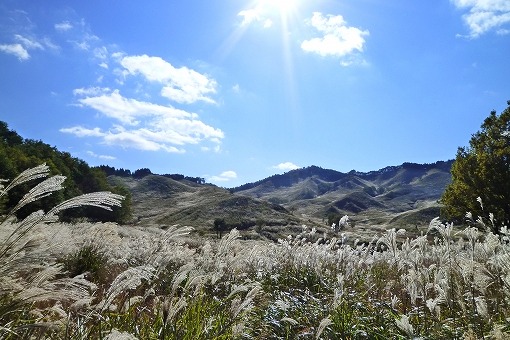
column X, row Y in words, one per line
column 395, row 195
column 398, row 196
column 161, row 200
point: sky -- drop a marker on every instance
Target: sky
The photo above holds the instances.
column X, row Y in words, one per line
column 235, row 91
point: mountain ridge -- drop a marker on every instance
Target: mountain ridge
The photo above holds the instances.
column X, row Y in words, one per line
column 332, row 175
column 374, row 197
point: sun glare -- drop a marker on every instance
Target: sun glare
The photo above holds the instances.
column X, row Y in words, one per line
column 284, row 7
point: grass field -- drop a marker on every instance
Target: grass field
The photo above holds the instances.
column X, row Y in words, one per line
column 105, row 281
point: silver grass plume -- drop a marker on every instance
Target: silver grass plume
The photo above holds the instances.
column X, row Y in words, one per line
column 41, row 190
column 129, row 279
column 25, row 275
column 116, row 335
column 291, row 321
column 389, row 239
column 100, row 199
column 322, row 326
column 227, row 243
column 39, row 171
column 171, row 307
column 239, row 306
column 404, row 325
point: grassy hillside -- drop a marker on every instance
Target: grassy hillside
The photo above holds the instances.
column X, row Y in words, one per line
column 163, row 201
column 370, row 198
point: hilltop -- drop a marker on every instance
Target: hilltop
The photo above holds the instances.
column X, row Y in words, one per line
column 394, row 195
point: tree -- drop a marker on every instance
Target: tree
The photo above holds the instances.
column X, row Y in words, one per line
column 219, row 226
column 482, row 171
column 18, row 154
column 9, row 137
column 141, row 173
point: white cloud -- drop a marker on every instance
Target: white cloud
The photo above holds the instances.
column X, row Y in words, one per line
column 23, row 45
column 101, row 53
column 182, row 85
column 28, row 43
column 118, row 56
column 82, row 45
column 286, row 166
column 485, row 15
column 36, row 44
column 91, row 91
column 15, row 49
column 128, row 111
column 263, row 13
column 224, row 176
column 138, row 139
column 105, row 157
column 48, row 43
column 143, row 125
column 249, row 16
column 337, row 40
column 81, row 37
column 85, row 41
column 80, row 131
column 63, row 26
column 216, row 148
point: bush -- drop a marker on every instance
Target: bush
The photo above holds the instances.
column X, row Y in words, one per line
column 88, row 259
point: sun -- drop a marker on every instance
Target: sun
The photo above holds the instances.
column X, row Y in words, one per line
column 283, row 7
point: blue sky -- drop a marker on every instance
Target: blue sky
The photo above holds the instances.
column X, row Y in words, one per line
column 235, row 91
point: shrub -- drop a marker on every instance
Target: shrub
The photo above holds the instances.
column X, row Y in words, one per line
column 90, row 260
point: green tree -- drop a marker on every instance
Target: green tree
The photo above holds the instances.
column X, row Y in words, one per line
column 9, row 137
column 219, row 226
column 482, row 170
column 18, row 154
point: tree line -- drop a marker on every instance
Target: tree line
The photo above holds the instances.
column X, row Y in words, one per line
column 143, row 172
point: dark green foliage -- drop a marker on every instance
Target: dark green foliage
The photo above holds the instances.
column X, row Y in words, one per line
column 88, row 259
column 141, row 173
column 111, row 171
column 334, row 218
column 304, row 294
column 18, row 154
column 357, row 318
column 179, row 177
column 219, row 226
column 482, row 170
column 123, row 214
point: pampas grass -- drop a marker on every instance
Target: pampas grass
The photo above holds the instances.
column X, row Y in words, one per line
column 159, row 284
column 29, row 279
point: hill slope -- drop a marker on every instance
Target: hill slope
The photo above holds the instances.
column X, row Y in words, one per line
column 159, row 200
column 376, row 197
column 402, row 195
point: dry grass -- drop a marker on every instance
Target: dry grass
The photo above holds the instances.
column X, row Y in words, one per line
column 161, row 284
